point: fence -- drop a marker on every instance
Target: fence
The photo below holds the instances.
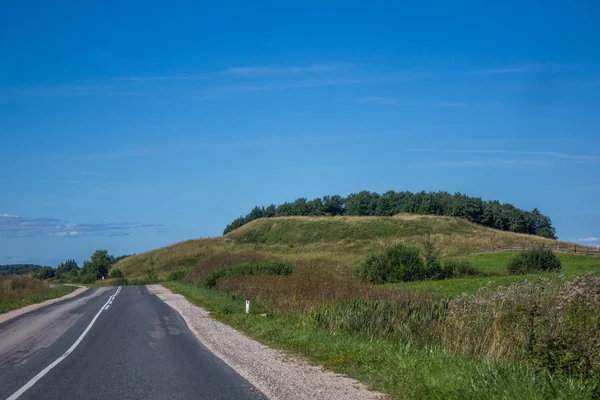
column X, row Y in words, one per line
column 585, row 251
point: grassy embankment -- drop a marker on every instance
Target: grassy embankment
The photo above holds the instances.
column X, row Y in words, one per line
column 338, row 242
column 406, row 343
column 18, row 291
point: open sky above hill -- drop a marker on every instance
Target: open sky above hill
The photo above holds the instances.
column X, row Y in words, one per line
column 129, row 127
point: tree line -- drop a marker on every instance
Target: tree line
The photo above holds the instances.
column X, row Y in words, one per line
column 99, row 265
column 490, row 213
column 19, row 269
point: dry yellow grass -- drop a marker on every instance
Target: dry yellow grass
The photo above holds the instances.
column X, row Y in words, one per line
column 329, row 241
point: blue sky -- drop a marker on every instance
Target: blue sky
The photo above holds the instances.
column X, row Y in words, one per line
column 128, row 128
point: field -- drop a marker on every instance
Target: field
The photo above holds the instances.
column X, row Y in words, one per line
column 18, row 291
column 522, row 336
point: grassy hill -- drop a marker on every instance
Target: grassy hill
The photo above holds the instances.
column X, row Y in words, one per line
column 334, row 241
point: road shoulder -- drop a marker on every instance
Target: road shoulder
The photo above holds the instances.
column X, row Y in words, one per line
column 271, row 371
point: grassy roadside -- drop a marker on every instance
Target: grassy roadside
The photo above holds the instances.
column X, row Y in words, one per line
column 494, row 266
column 7, row 305
column 400, row 370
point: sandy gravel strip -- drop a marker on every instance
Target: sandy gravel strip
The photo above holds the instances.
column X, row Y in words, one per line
column 20, row 311
column 270, row 371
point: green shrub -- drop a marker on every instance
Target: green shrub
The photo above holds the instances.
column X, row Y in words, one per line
column 457, row 268
column 534, row 260
column 272, row 268
column 404, row 264
column 120, row 282
column 116, row 273
column 398, row 264
column 87, row 278
column 374, row 269
column 177, row 275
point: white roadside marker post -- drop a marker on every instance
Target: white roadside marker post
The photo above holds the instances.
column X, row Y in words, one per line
column 247, row 306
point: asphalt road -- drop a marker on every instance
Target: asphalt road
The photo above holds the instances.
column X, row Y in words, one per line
column 136, row 348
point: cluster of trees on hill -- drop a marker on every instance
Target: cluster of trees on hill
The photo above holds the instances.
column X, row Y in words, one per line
column 99, row 265
column 19, row 269
column 492, row 213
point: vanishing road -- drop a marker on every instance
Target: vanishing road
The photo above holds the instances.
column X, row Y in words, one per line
column 120, row 343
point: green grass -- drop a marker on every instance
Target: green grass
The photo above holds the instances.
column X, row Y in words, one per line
column 494, row 265
column 400, row 370
column 343, row 240
column 51, row 293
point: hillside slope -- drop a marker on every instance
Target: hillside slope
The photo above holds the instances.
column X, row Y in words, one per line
column 340, row 241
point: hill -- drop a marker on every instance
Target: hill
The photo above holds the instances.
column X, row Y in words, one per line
column 339, row 242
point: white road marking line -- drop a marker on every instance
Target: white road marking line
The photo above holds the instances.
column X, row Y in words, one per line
column 106, row 308
column 39, row 376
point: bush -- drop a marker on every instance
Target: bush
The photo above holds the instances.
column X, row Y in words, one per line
column 535, row 260
column 398, row 264
column 272, row 268
column 116, row 273
column 456, row 268
column 177, row 275
column 120, row 282
column 87, row 278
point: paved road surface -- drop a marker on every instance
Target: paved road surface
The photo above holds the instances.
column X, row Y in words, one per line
column 137, row 348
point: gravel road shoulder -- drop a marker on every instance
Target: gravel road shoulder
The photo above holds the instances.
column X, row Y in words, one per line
column 271, row 371
column 23, row 310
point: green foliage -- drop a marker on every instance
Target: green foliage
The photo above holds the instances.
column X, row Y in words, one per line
column 99, row 264
column 488, row 213
column 272, row 268
column 116, row 273
column 64, row 268
column 458, row 268
column 120, row 282
column 398, row 264
column 46, row 273
column 402, row 263
column 177, row 275
column 534, row 260
column 19, row 269
column 87, row 278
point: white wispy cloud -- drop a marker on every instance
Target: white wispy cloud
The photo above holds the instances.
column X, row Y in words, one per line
column 270, row 71
column 393, row 101
column 119, row 154
column 553, row 154
column 589, row 239
column 524, row 68
column 12, row 226
column 493, row 163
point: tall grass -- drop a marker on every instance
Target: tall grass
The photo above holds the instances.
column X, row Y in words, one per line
column 15, row 286
column 17, row 291
column 548, row 323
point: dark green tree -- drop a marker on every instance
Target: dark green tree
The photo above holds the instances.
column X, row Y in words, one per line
column 99, row 264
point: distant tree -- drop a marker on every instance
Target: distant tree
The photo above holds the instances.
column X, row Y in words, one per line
column 99, row 264
column 65, row 267
column 333, row 205
column 46, row 273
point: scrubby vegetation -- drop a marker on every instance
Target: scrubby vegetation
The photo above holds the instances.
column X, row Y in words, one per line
column 402, row 263
column 492, row 214
column 17, row 291
column 271, row 268
column 534, row 260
